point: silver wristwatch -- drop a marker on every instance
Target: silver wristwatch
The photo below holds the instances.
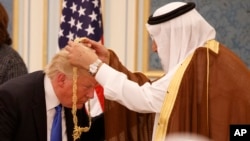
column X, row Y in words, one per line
column 93, row 68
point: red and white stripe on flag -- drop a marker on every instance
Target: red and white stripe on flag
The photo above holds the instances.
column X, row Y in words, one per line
column 82, row 18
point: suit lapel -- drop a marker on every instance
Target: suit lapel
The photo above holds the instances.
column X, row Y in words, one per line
column 69, row 123
column 39, row 108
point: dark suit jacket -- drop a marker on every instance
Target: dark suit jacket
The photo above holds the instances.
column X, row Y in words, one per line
column 23, row 112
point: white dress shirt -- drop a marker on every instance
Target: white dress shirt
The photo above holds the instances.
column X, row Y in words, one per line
column 51, row 102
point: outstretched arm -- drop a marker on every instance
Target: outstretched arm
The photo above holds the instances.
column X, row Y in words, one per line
column 115, row 63
column 86, row 51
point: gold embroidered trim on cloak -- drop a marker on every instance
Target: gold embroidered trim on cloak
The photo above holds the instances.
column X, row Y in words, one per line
column 214, row 46
column 172, row 91
column 169, row 101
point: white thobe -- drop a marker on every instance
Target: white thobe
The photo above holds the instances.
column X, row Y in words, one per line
column 147, row 98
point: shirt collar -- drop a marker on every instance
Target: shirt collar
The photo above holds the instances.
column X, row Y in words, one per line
column 50, row 96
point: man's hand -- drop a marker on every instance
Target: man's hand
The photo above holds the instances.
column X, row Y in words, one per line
column 80, row 55
column 100, row 50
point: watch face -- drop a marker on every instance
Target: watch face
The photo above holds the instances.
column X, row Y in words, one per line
column 92, row 68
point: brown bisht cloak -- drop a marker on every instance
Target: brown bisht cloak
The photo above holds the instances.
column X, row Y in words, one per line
column 122, row 124
column 228, row 92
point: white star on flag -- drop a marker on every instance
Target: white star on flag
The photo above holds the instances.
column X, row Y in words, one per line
column 80, row 18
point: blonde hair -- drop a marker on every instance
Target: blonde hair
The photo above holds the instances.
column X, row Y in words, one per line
column 59, row 63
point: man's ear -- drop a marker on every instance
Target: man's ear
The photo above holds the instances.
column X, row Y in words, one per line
column 61, row 79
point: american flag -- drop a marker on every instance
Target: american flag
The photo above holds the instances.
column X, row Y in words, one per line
column 80, row 18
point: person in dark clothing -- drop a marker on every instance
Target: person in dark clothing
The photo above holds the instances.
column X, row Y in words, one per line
column 11, row 63
column 27, row 104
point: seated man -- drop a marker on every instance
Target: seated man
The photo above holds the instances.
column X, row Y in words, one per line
column 27, row 103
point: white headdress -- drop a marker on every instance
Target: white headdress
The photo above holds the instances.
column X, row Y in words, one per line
column 178, row 29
